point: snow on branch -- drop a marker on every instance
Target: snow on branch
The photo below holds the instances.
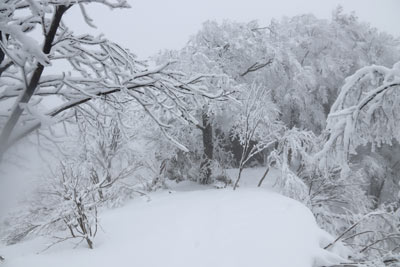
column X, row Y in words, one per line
column 257, row 127
column 96, row 69
column 100, row 68
column 366, row 111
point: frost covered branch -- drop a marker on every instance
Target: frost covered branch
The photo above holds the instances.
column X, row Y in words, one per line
column 366, row 111
column 97, row 70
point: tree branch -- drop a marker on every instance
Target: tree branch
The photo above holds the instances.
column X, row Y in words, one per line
column 29, row 91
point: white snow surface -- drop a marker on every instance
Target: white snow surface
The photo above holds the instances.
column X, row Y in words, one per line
column 193, row 226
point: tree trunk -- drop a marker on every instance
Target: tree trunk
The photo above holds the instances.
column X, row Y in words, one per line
column 31, row 87
column 238, row 178
column 263, row 177
column 2, row 55
column 208, row 147
column 89, row 242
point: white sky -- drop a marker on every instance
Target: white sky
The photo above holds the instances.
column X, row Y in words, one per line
column 151, row 25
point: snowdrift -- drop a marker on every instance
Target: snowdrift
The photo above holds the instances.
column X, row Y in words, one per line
column 202, row 228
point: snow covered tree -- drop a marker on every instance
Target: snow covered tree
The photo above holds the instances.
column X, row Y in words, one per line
column 194, row 61
column 257, row 126
column 285, row 58
column 312, row 58
column 96, row 68
column 76, row 204
column 363, row 117
column 291, row 156
column 95, row 169
column 365, row 112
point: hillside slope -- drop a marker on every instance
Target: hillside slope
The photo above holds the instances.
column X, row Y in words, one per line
column 181, row 228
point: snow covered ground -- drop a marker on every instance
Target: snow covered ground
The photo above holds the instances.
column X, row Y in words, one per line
column 193, row 226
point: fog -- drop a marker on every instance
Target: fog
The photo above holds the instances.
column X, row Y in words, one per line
column 152, row 25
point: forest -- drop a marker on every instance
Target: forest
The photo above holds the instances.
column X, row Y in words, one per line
column 253, row 145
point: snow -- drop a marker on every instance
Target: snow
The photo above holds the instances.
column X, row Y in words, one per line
column 29, row 44
column 193, row 225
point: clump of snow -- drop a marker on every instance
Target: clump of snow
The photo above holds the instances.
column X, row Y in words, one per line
column 247, row 227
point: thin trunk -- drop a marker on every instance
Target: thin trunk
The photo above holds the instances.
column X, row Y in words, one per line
column 238, row 178
column 208, row 149
column 95, row 180
column 244, row 156
column 32, row 85
column 376, row 192
column 263, row 177
column 89, row 242
column 2, row 55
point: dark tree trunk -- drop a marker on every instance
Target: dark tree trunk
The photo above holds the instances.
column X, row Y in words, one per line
column 263, row 177
column 31, row 87
column 89, row 242
column 208, row 147
column 239, row 176
column 2, row 55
